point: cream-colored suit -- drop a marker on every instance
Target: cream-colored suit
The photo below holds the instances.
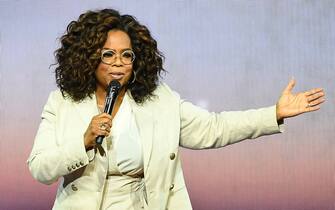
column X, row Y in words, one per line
column 165, row 122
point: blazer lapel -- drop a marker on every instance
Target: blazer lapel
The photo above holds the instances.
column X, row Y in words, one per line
column 145, row 124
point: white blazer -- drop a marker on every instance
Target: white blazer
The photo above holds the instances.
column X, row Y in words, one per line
column 165, row 122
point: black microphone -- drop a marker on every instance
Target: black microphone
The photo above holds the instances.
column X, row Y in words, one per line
column 112, row 92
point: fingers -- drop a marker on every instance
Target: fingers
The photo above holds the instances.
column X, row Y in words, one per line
column 103, row 118
column 314, row 91
column 314, row 98
column 313, row 108
column 290, row 86
column 316, row 102
column 104, row 123
column 102, row 129
column 101, row 133
column 101, row 124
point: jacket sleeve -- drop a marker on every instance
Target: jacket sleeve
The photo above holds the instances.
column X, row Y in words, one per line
column 48, row 159
column 201, row 129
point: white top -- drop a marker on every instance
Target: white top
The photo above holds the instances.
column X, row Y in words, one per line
column 124, row 186
column 124, row 146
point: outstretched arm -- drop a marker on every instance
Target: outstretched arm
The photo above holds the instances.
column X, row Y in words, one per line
column 290, row 105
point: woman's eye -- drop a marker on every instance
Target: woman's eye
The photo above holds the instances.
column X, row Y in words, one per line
column 127, row 55
column 108, row 54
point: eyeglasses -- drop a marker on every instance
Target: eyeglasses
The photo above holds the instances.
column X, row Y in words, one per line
column 109, row 56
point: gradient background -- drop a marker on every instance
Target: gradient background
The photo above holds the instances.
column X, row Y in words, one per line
column 221, row 55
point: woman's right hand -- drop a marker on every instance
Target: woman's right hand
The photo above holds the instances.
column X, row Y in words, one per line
column 100, row 125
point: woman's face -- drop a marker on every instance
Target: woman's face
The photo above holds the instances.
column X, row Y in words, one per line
column 119, row 42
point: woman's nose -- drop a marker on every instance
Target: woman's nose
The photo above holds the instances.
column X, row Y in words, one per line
column 118, row 61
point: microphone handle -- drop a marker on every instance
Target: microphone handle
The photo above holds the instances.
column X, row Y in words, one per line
column 109, row 105
column 99, row 139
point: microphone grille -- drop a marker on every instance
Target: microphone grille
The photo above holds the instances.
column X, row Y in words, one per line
column 115, row 84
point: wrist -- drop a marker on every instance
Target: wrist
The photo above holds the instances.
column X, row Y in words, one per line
column 87, row 143
column 278, row 113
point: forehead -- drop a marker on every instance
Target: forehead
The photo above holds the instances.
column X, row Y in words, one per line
column 117, row 40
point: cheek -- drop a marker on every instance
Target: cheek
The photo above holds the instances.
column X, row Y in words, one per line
column 101, row 68
column 129, row 72
column 100, row 75
column 100, row 71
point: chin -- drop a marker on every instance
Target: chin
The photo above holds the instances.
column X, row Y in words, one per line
column 123, row 81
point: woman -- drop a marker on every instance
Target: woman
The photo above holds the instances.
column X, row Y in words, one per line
column 138, row 163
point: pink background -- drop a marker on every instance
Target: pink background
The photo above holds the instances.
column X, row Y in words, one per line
column 221, row 55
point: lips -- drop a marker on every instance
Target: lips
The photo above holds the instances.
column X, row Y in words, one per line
column 116, row 75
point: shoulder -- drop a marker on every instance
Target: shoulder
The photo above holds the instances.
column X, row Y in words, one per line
column 163, row 90
column 162, row 97
column 56, row 95
column 56, row 99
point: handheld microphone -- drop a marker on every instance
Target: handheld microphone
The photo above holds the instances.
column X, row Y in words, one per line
column 112, row 92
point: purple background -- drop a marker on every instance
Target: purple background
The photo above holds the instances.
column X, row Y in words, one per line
column 221, row 55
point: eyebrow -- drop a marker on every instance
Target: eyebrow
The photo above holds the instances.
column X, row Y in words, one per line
column 122, row 50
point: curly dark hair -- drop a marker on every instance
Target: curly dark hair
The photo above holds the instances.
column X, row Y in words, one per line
column 79, row 54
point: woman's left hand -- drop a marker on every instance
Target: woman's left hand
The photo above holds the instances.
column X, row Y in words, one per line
column 290, row 105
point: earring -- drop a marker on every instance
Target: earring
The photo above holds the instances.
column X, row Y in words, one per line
column 134, row 77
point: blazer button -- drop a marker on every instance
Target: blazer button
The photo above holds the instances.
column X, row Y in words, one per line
column 69, row 168
column 171, row 187
column 73, row 187
column 172, row 156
